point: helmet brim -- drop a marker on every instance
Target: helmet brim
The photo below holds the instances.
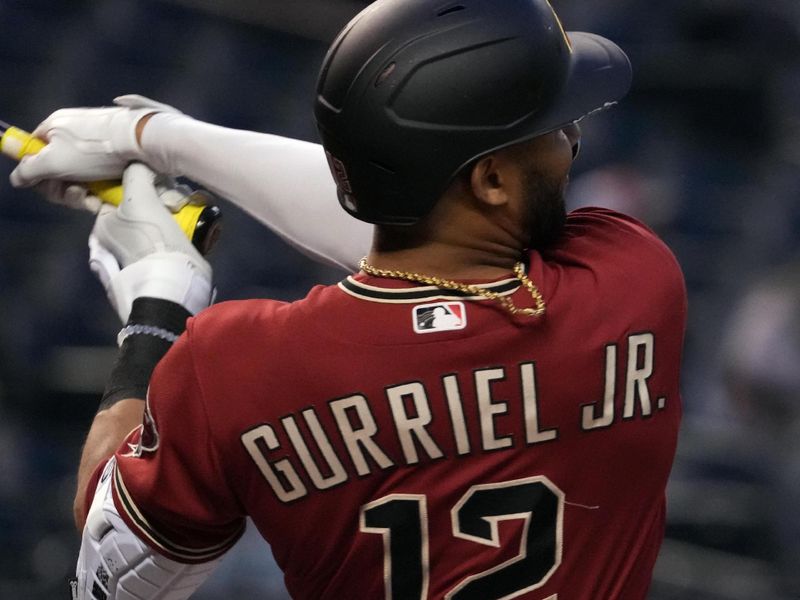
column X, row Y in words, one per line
column 600, row 76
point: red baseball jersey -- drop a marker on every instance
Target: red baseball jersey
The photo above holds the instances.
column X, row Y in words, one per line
column 394, row 440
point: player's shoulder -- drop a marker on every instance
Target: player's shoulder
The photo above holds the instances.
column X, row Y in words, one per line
column 616, row 248
column 601, row 222
column 234, row 315
column 601, row 232
column 244, row 319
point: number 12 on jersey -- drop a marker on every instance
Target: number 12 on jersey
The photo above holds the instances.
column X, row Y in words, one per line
column 402, row 520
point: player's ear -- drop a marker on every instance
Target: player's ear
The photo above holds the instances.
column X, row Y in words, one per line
column 489, row 179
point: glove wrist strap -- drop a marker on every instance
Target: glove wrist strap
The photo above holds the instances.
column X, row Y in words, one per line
column 154, row 324
column 158, row 332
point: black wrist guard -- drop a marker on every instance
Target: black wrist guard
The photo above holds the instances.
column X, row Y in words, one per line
column 153, row 326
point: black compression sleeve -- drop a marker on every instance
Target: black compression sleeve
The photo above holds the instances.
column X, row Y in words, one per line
column 141, row 350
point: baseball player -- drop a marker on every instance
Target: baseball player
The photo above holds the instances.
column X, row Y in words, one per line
column 487, row 409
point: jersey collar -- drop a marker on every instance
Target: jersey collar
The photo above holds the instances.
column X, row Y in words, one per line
column 355, row 286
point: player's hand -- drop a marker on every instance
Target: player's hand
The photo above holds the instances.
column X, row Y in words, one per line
column 71, row 195
column 86, row 144
column 138, row 250
column 74, row 195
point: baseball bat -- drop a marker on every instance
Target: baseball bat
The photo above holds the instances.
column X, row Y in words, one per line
column 201, row 223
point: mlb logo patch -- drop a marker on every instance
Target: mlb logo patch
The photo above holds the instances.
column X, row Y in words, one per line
column 442, row 316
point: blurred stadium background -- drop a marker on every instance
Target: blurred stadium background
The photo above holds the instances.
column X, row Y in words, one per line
column 705, row 150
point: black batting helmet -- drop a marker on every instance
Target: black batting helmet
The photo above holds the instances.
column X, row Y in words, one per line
column 411, row 91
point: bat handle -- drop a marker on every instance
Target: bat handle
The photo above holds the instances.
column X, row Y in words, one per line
column 109, row 191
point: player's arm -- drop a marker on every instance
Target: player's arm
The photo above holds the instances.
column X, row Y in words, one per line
column 284, row 183
column 155, row 279
column 109, row 427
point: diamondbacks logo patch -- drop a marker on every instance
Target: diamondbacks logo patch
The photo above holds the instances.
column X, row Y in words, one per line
column 146, row 440
column 442, row 316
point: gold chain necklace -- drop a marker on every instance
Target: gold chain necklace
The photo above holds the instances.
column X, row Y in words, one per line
column 472, row 290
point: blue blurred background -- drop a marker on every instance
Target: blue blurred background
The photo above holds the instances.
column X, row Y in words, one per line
column 704, row 150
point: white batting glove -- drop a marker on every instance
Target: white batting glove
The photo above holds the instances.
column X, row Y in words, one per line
column 86, row 144
column 71, row 195
column 138, row 250
column 134, row 101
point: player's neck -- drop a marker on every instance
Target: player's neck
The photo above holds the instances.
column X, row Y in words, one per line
column 450, row 261
column 460, row 239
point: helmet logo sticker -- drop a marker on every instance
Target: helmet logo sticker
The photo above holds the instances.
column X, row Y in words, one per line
column 342, row 182
column 339, row 173
column 441, row 316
